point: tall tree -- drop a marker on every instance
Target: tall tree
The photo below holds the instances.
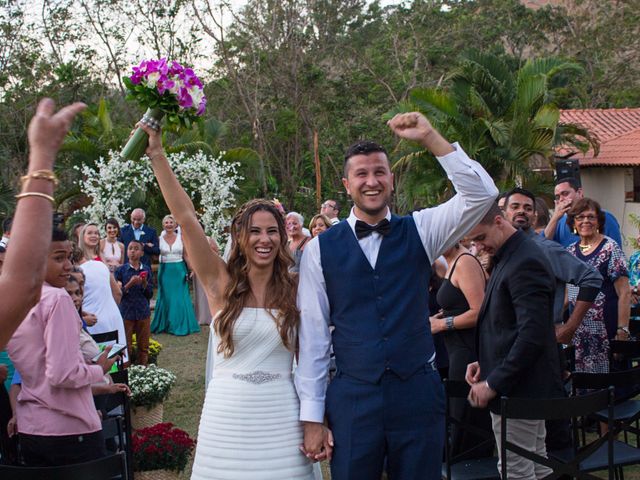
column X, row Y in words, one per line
column 504, row 119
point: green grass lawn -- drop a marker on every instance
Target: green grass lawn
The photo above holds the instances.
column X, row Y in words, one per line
column 186, row 357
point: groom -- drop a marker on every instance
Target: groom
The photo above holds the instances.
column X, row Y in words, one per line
column 368, row 278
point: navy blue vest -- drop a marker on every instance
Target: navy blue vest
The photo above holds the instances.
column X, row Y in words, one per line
column 381, row 315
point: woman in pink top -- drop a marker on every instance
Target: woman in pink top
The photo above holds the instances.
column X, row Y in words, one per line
column 57, row 419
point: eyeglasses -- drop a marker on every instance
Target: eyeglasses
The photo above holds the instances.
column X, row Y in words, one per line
column 328, row 205
column 582, row 218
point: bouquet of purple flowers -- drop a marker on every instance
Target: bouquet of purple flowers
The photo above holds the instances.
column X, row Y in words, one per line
column 165, row 89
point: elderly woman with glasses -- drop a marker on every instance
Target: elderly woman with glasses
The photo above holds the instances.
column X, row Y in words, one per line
column 608, row 318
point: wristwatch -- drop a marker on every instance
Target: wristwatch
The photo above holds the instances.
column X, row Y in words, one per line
column 625, row 330
column 449, row 323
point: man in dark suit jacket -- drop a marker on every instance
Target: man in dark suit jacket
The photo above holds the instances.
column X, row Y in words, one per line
column 516, row 342
column 137, row 230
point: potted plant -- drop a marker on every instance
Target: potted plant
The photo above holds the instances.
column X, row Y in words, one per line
column 160, row 452
column 150, row 386
column 155, row 348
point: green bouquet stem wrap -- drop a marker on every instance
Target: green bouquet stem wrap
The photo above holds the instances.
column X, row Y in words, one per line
column 137, row 144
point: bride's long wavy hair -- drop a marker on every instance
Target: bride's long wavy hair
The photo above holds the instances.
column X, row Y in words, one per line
column 281, row 290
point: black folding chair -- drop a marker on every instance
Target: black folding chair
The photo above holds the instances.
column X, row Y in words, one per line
column 574, row 462
column 569, row 354
column 111, row 467
column 462, row 466
column 120, row 406
column 626, row 412
column 105, row 337
column 624, row 350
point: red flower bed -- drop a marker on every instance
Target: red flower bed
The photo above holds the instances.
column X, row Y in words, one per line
column 161, row 446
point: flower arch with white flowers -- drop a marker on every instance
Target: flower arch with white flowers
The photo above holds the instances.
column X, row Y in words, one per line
column 113, row 179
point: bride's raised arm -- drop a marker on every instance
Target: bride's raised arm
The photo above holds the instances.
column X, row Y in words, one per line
column 209, row 267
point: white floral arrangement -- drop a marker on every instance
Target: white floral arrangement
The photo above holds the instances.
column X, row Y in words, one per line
column 149, row 385
column 113, row 180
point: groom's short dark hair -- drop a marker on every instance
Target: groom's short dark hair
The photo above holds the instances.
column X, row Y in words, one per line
column 362, row 147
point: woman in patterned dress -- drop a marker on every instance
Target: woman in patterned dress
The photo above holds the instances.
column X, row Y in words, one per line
column 608, row 318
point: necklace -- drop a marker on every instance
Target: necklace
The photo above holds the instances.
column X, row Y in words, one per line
column 584, row 248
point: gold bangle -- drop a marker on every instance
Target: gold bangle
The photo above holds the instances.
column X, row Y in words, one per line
column 40, row 175
column 36, row 194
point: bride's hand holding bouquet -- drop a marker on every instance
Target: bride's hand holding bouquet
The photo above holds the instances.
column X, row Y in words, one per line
column 167, row 90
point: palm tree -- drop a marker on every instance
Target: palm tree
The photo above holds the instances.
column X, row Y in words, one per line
column 503, row 118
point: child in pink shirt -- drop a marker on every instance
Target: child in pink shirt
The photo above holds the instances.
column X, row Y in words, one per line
column 57, row 420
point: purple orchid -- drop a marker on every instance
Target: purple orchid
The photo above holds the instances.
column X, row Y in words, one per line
column 181, row 82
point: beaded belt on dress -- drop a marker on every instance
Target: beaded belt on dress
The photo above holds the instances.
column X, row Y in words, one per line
column 256, row 377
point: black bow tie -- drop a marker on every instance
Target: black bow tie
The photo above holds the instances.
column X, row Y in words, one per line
column 364, row 229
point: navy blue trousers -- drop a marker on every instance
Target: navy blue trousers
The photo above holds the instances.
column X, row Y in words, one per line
column 400, row 420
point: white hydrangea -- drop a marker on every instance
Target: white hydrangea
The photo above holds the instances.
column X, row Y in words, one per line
column 208, row 180
column 149, row 385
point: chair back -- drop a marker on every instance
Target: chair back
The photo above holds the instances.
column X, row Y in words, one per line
column 626, row 351
column 121, row 376
column 574, row 408
column 111, row 467
column 105, row 337
column 481, row 468
column 120, row 404
column 585, row 380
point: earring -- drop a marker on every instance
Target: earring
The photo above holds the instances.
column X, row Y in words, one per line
column 575, row 231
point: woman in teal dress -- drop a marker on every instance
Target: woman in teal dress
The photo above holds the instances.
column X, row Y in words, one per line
column 174, row 312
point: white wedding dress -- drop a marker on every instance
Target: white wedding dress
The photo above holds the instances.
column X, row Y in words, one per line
column 249, row 427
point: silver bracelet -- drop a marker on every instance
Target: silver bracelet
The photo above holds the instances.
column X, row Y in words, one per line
column 449, row 323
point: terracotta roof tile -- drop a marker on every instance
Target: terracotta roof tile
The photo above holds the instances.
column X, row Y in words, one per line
column 618, row 130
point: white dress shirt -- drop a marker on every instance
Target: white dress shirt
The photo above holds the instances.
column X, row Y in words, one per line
column 438, row 227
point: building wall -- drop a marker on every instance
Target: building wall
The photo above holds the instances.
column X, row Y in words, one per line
column 608, row 186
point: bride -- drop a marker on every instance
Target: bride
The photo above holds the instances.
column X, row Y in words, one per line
column 249, row 427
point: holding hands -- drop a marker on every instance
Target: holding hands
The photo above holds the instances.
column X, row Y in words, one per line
column 318, row 442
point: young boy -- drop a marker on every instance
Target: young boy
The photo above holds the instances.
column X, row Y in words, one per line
column 134, row 278
column 58, row 422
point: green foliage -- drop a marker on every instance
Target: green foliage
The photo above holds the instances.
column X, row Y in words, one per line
column 281, row 71
column 501, row 117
